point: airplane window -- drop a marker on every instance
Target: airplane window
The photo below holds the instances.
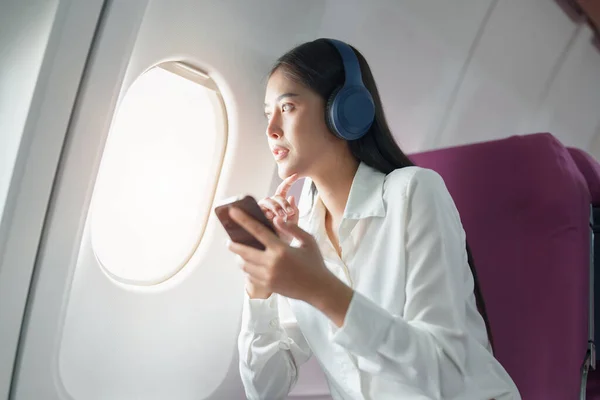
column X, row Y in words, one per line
column 157, row 176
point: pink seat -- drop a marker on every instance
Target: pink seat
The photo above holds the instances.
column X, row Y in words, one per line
column 526, row 208
column 590, row 169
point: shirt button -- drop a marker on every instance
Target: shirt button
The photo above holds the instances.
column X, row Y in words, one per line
column 274, row 323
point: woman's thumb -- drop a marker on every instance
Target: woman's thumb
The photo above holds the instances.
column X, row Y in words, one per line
column 292, row 201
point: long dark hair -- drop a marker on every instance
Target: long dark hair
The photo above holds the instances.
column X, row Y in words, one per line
column 318, row 66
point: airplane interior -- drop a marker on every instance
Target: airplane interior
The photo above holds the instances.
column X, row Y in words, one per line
column 123, row 123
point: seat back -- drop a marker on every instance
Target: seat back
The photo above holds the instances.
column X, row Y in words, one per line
column 525, row 209
column 590, row 170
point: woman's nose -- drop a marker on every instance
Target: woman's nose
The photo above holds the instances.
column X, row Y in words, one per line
column 274, row 129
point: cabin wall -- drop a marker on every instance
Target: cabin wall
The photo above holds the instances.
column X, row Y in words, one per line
column 474, row 70
column 24, row 33
column 37, row 98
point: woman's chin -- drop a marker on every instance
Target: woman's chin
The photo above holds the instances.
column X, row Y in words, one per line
column 285, row 171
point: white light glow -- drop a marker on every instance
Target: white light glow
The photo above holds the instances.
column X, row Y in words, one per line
column 151, row 198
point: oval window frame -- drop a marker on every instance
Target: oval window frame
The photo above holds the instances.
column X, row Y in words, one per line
column 201, row 78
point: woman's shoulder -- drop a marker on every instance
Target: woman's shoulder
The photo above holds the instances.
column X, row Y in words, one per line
column 402, row 181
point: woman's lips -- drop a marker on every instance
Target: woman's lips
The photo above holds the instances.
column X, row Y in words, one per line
column 280, row 153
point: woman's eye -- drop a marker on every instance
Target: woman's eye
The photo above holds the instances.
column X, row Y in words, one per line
column 286, row 107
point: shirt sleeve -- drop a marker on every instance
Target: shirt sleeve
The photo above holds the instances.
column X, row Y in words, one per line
column 427, row 345
column 271, row 349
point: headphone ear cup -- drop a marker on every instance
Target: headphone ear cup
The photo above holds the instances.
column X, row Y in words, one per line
column 329, row 113
column 350, row 112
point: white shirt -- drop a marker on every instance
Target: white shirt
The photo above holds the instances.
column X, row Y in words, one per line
column 412, row 330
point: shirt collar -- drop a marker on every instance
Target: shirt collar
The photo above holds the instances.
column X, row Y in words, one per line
column 364, row 200
column 366, row 194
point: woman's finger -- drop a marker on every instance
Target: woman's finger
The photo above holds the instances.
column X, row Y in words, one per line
column 283, row 234
column 292, row 202
column 245, row 253
column 255, row 273
column 287, row 183
column 294, row 218
column 289, row 210
column 268, row 213
column 273, row 206
column 268, row 207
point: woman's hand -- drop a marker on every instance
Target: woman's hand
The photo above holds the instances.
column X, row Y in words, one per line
column 295, row 272
column 281, row 205
column 276, row 205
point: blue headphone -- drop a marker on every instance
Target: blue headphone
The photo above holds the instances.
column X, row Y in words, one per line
column 350, row 110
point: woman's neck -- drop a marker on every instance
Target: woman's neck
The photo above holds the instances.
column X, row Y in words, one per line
column 334, row 185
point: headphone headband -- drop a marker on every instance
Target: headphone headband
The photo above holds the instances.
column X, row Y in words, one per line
column 351, row 66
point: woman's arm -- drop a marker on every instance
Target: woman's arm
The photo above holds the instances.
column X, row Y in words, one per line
column 426, row 346
column 271, row 351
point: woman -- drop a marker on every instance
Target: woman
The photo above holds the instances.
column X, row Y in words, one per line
column 375, row 268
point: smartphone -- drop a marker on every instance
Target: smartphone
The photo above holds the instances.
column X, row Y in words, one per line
column 238, row 234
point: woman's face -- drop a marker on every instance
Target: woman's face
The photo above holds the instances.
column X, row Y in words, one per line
column 297, row 133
